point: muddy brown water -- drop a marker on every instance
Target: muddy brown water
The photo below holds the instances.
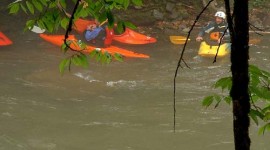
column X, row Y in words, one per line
column 121, row 106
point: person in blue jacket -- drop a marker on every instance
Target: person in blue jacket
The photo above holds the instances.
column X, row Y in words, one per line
column 215, row 29
column 95, row 34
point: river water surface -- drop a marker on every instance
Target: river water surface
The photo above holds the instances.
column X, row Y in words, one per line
column 121, row 106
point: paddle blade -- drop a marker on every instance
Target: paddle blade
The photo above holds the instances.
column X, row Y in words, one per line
column 37, row 29
column 178, row 39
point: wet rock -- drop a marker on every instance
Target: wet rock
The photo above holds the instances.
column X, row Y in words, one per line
column 170, row 7
column 174, row 14
column 186, row 30
column 158, row 15
column 138, row 7
column 170, row 31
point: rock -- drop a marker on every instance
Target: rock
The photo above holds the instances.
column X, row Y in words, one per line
column 174, row 14
column 170, row 7
column 186, row 30
column 138, row 7
column 158, row 15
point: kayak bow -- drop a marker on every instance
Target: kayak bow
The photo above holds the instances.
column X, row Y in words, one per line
column 4, row 40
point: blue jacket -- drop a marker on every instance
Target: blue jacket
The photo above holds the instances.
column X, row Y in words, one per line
column 90, row 35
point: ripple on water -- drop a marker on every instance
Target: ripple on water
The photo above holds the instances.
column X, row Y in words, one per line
column 124, row 84
column 86, row 77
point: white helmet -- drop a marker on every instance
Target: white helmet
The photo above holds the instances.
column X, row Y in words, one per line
column 220, row 14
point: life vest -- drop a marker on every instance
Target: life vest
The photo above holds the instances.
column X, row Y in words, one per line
column 215, row 31
column 215, row 36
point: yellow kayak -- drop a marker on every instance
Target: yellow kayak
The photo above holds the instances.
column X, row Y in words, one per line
column 210, row 51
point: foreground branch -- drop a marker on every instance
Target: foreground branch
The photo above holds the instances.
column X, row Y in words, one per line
column 179, row 63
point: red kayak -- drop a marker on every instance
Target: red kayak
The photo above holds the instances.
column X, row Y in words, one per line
column 128, row 37
column 4, row 40
column 59, row 40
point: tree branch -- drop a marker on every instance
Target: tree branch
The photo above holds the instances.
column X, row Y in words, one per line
column 179, row 63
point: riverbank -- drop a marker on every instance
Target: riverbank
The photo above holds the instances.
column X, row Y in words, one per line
column 169, row 16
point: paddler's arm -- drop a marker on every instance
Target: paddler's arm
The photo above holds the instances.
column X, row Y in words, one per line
column 209, row 27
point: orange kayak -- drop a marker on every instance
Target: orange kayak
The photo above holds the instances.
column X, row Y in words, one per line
column 59, row 41
column 128, row 37
column 4, row 40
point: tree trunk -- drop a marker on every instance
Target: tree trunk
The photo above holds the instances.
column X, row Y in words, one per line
column 240, row 77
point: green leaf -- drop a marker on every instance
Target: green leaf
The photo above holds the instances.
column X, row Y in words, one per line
column 108, row 57
column 218, row 100
column 265, row 73
column 14, row 8
column 253, row 116
column 126, row 4
column 76, row 60
column 64, row 23
column 93, row 53
column 228, row 100
column 24, row 8
column 256, row 113
column 266, row 108
column 30, row 23
column 118, row 57
column 30, row 7
column 266, row 116
column 63, row 3
column 37, row 5
column 84, row 60
column 110, row 19
column 224, row 83
column 64, row 47
column 81, row 44
column 81, row 12
column 80, row 60
column 130, row 25
column 207, row 101
column 43, row 2
column 264, row 128
column 98, row 56
column 53, row 4
column 41, row 24
column 120, row 27
column 63, row 64
column 261, row 92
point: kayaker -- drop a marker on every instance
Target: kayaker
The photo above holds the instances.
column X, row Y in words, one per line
column 215, row 30
column 99, row 34
column 96, row 34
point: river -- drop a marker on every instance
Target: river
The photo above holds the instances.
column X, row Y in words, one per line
column 120, row 106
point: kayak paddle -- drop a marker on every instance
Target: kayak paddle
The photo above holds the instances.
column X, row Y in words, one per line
column 37, row 29
column 178, row 39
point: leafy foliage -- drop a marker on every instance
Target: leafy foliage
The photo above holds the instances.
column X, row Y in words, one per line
column 259, row 89
column 52, row 14
column 81, row 59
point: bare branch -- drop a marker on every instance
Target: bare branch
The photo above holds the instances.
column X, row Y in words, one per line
column 69, row 28
column 223, row 34
column 180, row 60
column 252, row 27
